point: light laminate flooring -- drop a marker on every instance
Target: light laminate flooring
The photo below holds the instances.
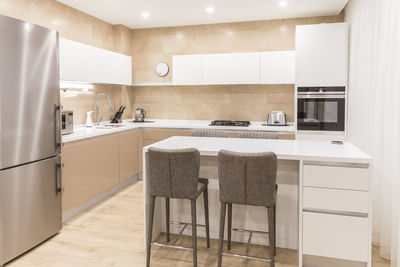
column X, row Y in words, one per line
column 111, row 234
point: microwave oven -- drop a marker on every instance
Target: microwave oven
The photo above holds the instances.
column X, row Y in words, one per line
column 67, row 121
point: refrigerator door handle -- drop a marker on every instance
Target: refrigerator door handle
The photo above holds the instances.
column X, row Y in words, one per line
column 57, row 118
column 59, row 184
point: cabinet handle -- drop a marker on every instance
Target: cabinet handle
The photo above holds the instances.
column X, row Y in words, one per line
column 59, row 185
column 342, row 213
column 57, row 121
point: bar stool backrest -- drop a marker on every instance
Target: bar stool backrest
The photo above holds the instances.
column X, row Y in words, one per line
column 258, row 135
column 247, row 178
column 173, row 173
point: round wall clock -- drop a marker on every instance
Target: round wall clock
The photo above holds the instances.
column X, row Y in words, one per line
column 162, row 69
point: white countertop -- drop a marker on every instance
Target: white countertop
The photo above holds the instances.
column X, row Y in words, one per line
column 82, row 133
column 284, row 149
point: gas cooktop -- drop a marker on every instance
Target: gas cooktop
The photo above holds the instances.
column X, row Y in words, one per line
column 230, row 123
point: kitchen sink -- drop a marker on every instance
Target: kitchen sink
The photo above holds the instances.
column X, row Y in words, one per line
column 110, row 126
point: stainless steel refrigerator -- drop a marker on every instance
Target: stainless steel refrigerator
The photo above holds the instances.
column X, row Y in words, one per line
column 30, row 137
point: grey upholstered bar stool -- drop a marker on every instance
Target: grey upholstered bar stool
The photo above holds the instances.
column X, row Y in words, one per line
column 258, row 135
column 175, row 174
column 247, row 179
column 209, row 133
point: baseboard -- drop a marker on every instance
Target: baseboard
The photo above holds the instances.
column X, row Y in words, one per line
column 72, row 213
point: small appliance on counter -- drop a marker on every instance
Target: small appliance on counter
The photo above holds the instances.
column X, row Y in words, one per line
column 118, row 115
column 140, row 115
column 276, row 118
column 67, row 121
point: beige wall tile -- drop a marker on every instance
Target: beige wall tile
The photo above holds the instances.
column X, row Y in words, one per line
column 235, row 102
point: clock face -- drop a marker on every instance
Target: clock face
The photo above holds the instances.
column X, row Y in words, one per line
column 162, row 69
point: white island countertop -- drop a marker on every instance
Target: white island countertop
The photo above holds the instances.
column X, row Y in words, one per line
column 82, row 133
column 284, row 149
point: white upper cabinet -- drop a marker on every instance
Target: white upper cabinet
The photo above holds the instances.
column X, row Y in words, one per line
column 321, row 54
column 277, row 67
column 236, row 68
column 187, row 69
column 84, row 63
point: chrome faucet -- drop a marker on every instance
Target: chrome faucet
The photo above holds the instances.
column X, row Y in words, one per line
column 98, row 120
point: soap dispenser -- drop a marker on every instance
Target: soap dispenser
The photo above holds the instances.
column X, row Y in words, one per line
column 89, row 121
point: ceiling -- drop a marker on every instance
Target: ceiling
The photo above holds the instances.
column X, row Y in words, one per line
column 157, row 13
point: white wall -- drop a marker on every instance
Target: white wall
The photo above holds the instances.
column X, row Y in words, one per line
column 374, row 109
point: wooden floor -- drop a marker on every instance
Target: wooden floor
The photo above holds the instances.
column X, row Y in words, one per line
column 111, row 234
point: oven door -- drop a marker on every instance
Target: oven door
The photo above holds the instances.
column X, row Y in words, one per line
column 321, row 112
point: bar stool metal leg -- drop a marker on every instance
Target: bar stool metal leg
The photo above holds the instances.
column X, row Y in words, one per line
column 167, row 219
column 275, row 229
column 229, row 226
column 150, row 229
column 205, row 194
column 271, row 226
column 221, row 233
column 194, row 232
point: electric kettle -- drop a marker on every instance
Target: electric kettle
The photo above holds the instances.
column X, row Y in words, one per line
column 140, row 114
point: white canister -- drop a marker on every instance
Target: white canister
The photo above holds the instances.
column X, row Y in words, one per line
column 89, row 121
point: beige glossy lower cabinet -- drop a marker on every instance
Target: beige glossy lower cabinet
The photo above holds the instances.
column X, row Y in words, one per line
column 89, row 169
column 128, row 155
column 151, row 136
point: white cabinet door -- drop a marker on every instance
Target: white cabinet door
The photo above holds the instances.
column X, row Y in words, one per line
column 237, row 68
column 336, row 236
column 277, row 67
column 187, row 69
column 85, row 63
column 321, row 54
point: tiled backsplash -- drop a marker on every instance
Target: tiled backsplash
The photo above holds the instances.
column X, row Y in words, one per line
column 229, row 102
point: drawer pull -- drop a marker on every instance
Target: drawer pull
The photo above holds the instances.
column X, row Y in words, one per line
column 343, row 213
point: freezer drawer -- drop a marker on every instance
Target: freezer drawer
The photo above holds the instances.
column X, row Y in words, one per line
column 30, row 206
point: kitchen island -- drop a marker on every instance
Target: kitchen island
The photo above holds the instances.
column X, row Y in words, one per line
column 323, row 203
column 103, row 159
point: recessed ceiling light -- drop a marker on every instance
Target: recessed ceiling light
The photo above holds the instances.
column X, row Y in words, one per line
column 210, row 10
column 145, row 15
column 283, row 3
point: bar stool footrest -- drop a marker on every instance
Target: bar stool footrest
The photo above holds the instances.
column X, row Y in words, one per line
column 245, row 256
column 170, row 246
column 181, row 231
column 249, row 231
column 249, row 240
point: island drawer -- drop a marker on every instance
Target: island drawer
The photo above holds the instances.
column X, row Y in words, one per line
column 351, row 178
column 335, row 200
column 336, row 236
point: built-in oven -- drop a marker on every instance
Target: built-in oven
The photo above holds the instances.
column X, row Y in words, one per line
column 321, row 108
